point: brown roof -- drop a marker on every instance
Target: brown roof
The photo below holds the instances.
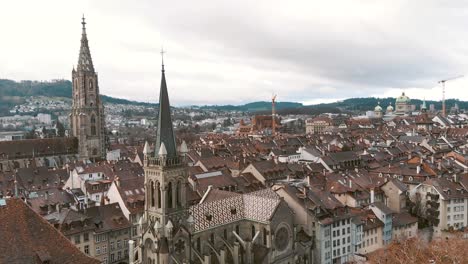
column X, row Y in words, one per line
column 38, row 147
column 110, row 216
column 28, row 238
column 133, row 193
column 403, row 218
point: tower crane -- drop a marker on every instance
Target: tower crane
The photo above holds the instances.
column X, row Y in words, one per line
column 273, row 114
column 443, row 91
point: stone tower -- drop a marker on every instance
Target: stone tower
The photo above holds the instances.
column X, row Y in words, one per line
column 87, row 114
column 165, row 177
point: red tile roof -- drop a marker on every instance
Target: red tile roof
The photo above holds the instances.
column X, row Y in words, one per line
column 28, row 238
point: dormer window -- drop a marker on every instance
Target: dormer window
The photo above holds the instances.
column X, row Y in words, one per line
column 233, row 211
column 209, row 217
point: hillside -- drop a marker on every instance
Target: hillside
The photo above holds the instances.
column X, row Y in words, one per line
column 13, row 93
column 253, row 107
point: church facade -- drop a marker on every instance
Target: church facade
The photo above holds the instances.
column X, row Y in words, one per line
column 225, row 227
column 87, row 122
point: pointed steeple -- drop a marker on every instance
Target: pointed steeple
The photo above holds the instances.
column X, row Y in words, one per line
column 165, row 132
column 85, row 63
column 146, row 148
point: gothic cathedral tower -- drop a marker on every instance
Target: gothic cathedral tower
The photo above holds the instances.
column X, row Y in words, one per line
column 87, row 115
column 165, row 180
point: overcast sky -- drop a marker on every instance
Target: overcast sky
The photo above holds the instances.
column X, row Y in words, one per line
column 221, row 52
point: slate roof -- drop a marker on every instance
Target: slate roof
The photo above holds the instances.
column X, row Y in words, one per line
column 165, row 133
column 108, row 217
column 403, row 218
column 27, row 238
column 448, row 189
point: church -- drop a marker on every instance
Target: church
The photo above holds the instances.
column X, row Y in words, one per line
column 225, row 227
column 87, row 114
column 87, row 139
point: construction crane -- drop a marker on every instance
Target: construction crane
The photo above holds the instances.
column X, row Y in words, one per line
column 273, row 115
column 443, row 91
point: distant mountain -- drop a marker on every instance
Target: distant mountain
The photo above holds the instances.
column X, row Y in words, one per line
column 13, row 93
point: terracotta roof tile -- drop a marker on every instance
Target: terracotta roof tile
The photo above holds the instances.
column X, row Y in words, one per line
column 28, row 238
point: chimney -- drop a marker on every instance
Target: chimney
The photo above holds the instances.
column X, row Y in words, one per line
column 117, row 181
column 418, row 169
column 58, row 208
column 372, row 196
column 439, row 165
column 432, row 159
column 350, row 183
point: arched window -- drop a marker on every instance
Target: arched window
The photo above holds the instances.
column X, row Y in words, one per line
column 152, row 194
column 158, row 186
column 253, row 231
column 169, row 195
column 178, row 194
column 95, row 152
column 90, row 85
column 93, row 125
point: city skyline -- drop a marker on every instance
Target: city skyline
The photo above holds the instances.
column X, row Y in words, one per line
column 301, row 55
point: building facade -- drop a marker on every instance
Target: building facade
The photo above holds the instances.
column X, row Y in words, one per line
column 403, row 105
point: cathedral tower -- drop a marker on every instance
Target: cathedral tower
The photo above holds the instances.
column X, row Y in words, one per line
column 87, row 115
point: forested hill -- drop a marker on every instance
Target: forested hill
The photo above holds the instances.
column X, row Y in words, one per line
column 13, row 93
column 55, row 88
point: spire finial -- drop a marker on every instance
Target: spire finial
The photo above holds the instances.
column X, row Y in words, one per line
column 83, row 22
column 162, row 58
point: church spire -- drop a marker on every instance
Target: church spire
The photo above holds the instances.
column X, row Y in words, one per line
column 165, row 132
column 85, row 63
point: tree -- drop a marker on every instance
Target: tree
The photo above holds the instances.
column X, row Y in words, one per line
column 60, row 129
column 442, row 250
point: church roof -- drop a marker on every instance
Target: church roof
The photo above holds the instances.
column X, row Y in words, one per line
column 85, row 62
column 255, row 206
column 165, row 132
